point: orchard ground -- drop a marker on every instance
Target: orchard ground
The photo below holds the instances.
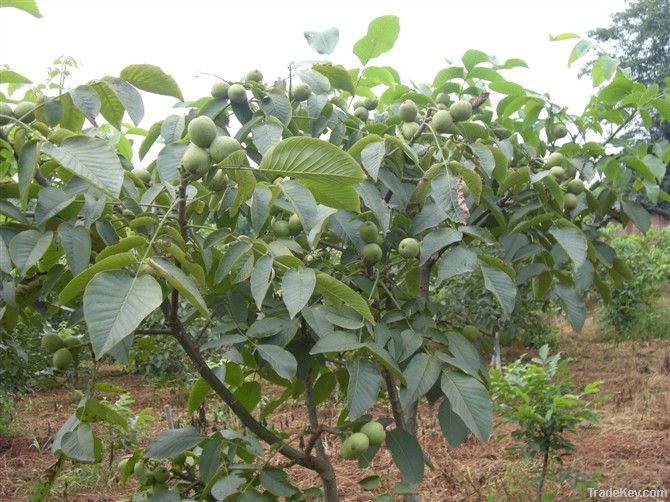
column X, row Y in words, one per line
column 629, row 448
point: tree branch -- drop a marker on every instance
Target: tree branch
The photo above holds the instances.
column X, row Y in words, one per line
column 151, row 331
column 171, row 312
column 331, row 246
column 229, row 398
column 394, row 398
column 315, row 439
column 618, row 129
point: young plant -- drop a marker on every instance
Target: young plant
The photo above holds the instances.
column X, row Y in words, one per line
column 539, row 399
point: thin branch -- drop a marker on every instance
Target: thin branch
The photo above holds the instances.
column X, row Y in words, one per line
column 422, row 126
column 332, row 246
column 310, row 403
column 171, row 311
column 152, row 331
column 618, row 129
column 394, row 398
column 229, row 398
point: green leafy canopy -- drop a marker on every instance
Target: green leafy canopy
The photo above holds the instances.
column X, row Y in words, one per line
column 320, row 244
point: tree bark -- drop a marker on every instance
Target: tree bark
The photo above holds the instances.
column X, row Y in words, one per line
column 497, row 356
column 327, row 473
column 543, row 475
column 404, row 419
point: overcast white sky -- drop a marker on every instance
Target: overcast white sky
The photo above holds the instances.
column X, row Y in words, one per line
column 190, row 38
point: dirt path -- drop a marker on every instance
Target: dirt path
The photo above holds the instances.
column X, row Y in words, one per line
column 630, row 448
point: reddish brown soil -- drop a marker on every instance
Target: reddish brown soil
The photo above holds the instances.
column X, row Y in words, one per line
column 629, row 449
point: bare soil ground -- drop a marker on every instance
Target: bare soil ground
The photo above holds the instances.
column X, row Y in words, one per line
column 629, row 449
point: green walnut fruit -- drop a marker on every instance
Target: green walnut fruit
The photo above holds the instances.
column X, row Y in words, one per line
column 408, row 111
column 559, row 131
column 62, row 359
column 51, row 343
column 281, row 228
column 460, row 111
column 254, row 75
column 409, row 129
column 442, row 122
column 237, row 93
column 361, row 113
column 359, row 443
column 301, row 92
column 471, row 332
column 409, row 248
column 555, row 159
column 368, row 232
column 161, row 474
column 142, row 174
column 25, row 111
column 375, row 433
column 502, row 132
column 72, row 343
column 358, row 103
column 6, row 114
column 443, row 99
column 570, row 201
column 345, row 450
column 222, row 147
column 219, row 182
column 196, row 160
column 372, row 252
column 202, row 131
column 220, row 89
column 294, row 224
column 557, row 172
column 371, row 103
column 575, row 187
column 59, row 135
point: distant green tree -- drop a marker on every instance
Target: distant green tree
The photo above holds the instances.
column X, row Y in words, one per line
column 639, row 36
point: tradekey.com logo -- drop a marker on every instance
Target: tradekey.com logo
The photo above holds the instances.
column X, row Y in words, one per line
column 627, row 493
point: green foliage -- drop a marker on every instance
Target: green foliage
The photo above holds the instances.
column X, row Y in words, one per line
column 29, row 6
column 158, row 357
column 539, row 399
column 317, row 308
column 638, row 38
column 633, row 310
column 461, row 299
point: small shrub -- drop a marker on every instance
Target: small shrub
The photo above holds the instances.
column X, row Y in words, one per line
column 630, row 311
column 461, row 299
column 539, row 398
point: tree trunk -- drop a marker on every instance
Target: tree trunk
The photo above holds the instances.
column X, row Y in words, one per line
column 543, row 475
column 324, row 466
column 497, row 357
column 329, row 481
